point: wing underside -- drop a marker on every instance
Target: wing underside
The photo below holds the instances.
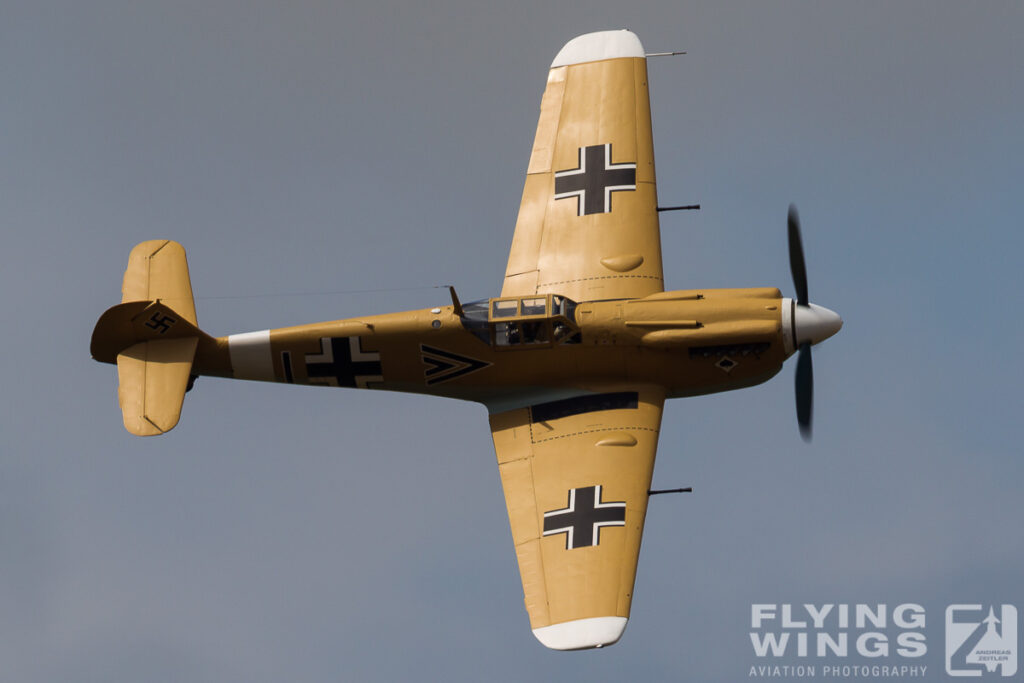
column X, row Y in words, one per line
column 588, row 220
column 576, row 474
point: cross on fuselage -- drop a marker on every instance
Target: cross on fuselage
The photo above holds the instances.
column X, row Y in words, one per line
column 582, row 520
column 334, row 364
column 594, row 179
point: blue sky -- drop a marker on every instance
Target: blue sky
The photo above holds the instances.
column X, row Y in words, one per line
column 312, row 534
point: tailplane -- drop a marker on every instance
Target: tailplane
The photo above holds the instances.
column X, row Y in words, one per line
column 152, row 336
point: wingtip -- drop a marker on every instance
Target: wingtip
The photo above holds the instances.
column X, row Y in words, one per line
column 593, row 47
column 582, row 634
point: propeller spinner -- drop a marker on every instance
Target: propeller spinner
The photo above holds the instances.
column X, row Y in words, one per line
column 804, row 324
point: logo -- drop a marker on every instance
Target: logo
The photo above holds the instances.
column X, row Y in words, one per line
column 981, row 640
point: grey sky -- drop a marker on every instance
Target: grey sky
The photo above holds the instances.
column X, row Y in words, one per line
column 305, row 534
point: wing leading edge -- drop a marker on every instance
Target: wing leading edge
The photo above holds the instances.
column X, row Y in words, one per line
column 576, row 474
column 588, row 220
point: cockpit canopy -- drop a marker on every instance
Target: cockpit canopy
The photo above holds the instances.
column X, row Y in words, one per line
column 536, row 321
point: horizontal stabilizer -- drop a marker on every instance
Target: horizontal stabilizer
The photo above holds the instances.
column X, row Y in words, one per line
column 157, row 269
column 152, row 336
column 153, row 376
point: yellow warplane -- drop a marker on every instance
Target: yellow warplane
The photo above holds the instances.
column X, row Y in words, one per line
column 573, row 361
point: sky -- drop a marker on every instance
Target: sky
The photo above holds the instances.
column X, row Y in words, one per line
column 321, row 160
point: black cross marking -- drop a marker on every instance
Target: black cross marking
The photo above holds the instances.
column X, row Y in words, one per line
column 343, row 363
column 594, row 179
column 582, row 520
column 286, row 365
column 160, row 323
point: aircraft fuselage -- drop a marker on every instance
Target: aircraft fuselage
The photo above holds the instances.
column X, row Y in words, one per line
column 690, row 342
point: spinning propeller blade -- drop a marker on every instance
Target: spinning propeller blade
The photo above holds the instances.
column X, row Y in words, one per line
column 804, row 390
column 811, row 324
column 796, row 257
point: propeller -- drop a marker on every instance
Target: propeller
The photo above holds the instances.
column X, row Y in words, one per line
column 796, row 256
column 804, row 390
column 811, row 324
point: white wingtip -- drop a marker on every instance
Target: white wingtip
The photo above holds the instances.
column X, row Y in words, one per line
column 593, row 47
column 581, row 634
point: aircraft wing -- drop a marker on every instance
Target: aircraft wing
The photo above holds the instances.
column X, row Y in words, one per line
column 588, row 220
column 576, row 474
